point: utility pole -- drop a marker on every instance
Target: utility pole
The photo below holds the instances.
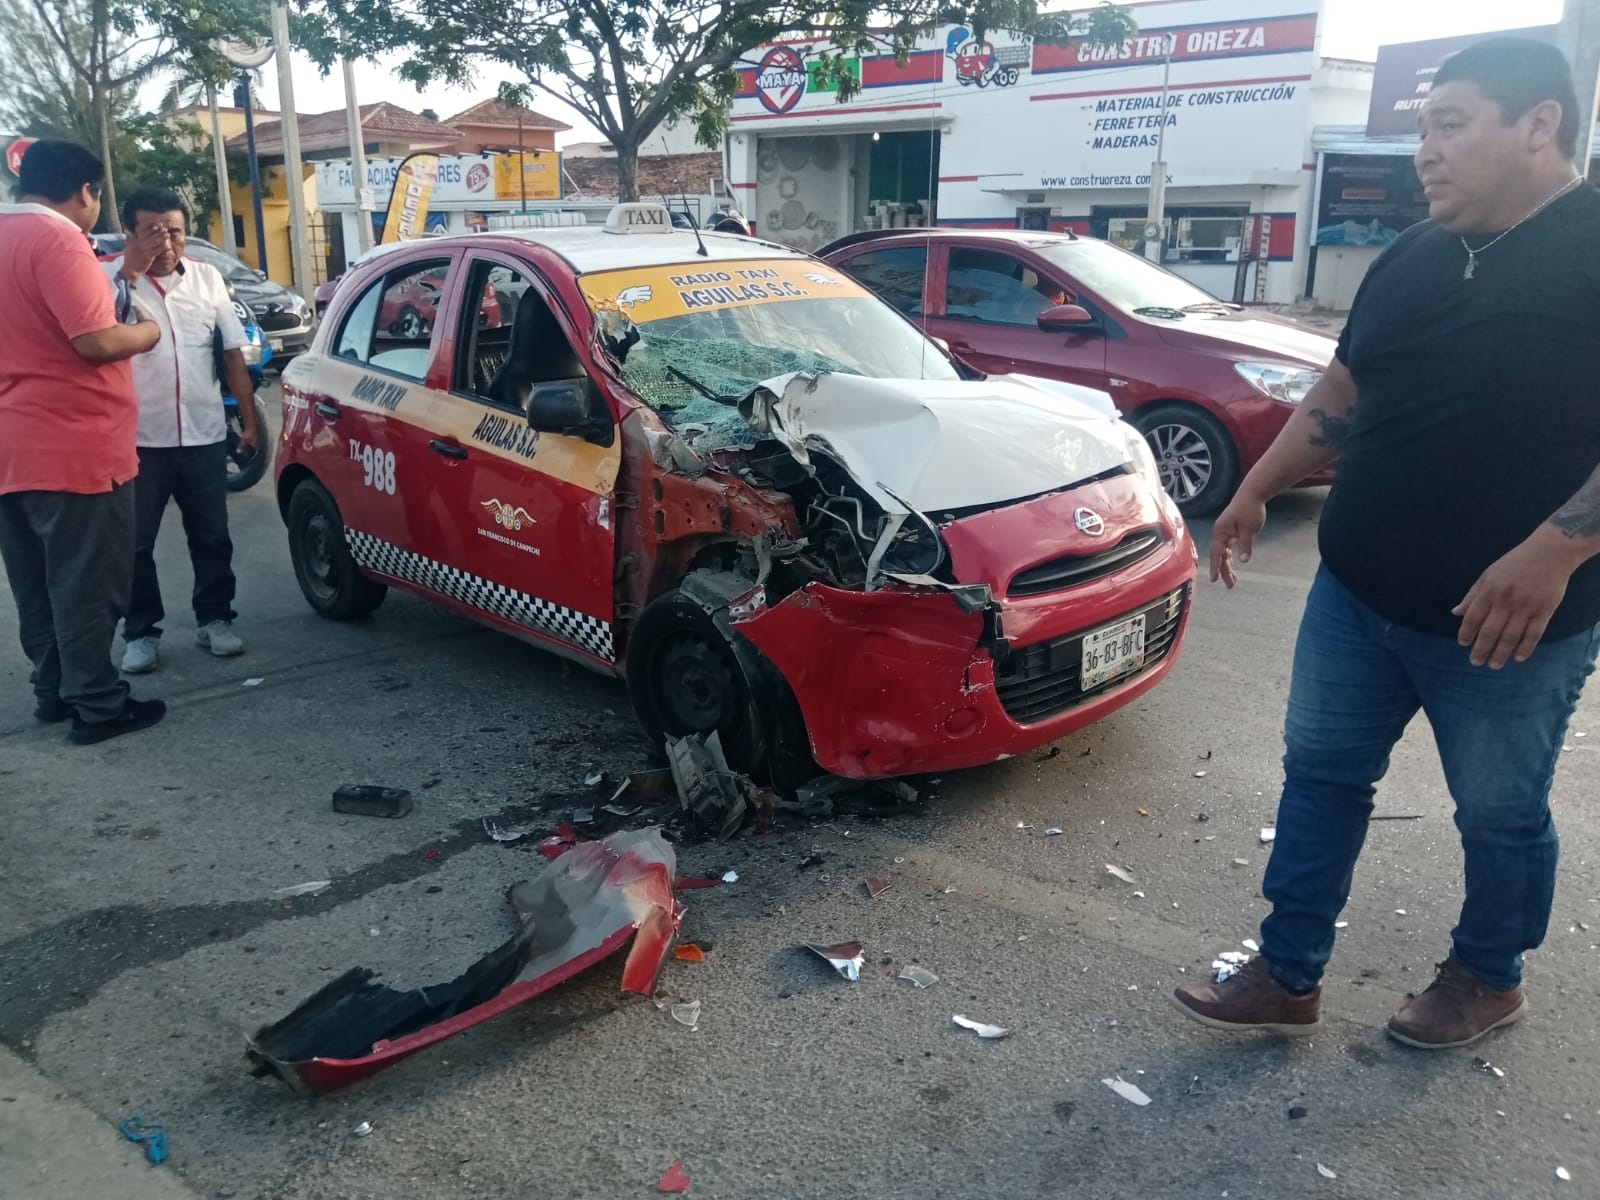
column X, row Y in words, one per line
column 1156, row 207
column 299, row 251
column 358, row 158
column 1580, row 41
column 224, row 186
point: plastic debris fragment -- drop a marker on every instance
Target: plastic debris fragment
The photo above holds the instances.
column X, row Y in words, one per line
column 1200, row 774
column 730, row 877
column 305, row 889
column 507, row 833
column 1250, row 945
column 708, row 788
column 1562, row 1173
column 153, row 1137
column 1139, row 895
column 1297, row 1113
column 1268, row 835
column 1052, row 832
column 1399, row 912
column 363, row 1129
column 687, row 1014
column 1241, row 862
column 372, row 800
column 1487, row 1067
column 1226, row 965
column 689, row 952
column 254, row 681
column 845, row 958
column 674, row 1182
column 1130, row 1092
column 1325, row 1173
column 1120, row 873
column 920, row 976
column 877, row 886
column 595, row 779
column 1341, row 924
column 989, row 1032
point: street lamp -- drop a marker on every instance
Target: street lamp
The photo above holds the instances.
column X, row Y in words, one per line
column 1156, row 208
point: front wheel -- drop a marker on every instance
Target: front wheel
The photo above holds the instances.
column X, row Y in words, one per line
column 328, row 576
column 245, row 470
column 689, row 673
column 1198, row 464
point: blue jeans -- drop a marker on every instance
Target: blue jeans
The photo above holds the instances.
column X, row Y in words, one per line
column 1358, row 680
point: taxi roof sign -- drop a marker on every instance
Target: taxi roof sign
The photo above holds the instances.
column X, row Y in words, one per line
column 639, row 219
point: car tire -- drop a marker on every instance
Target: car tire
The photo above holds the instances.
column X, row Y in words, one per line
column 410, row 325
column 1198, row 463
column 328, row 576
column 689, row 673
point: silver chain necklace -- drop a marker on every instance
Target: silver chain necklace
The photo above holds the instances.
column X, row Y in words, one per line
column 1472, row 255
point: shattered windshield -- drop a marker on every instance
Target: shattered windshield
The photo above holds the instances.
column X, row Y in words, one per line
column 694, row 339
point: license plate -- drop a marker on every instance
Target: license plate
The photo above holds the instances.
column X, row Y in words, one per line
column 276, row 344
column 1112, row 650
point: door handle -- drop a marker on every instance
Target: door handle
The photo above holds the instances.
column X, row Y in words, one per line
column 446, row 449
column 329, row 412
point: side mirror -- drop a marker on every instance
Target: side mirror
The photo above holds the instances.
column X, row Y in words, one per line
column 564, row 407
column 942, row 344
column 1065, row 318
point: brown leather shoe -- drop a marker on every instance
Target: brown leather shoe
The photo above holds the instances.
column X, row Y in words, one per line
column 1251, row 999
column 1457, row 1009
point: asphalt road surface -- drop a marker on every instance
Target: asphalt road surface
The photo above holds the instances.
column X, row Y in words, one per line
column 141, row 942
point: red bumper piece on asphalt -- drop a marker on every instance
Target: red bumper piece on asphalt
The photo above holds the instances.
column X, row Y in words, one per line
column 578, row 911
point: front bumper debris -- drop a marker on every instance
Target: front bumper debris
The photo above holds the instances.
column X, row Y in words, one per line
column 582, row 908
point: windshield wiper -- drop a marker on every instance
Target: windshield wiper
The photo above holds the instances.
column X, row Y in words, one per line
column 1213, row 306
column 702, row 388
column 1168, row 314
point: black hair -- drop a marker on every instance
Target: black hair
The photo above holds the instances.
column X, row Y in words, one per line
column 1519, row 74
column 58, row 170
column 152, row 200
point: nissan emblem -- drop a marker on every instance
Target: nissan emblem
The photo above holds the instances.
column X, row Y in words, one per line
column 1088, row 521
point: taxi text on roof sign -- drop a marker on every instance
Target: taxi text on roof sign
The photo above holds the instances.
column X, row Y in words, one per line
column 654, row 293
column 639, row 218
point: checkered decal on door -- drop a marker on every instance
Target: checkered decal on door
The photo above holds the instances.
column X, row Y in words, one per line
column 569, row 625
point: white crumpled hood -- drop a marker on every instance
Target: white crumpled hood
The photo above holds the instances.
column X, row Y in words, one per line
column 943, row 444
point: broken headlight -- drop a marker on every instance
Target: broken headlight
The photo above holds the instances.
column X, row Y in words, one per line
column 1140, row 458
column 1289, row 384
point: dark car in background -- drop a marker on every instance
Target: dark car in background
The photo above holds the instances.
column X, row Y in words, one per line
column 284, row 316
column 1209, row 384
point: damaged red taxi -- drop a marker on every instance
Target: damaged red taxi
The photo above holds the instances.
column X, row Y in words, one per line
column 726, row 472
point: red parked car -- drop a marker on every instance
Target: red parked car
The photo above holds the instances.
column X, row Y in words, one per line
column 736, row 478
column 1210, row 384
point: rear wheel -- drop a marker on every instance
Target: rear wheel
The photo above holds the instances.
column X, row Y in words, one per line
column 328, row 576
column 1198, row 464
column 689, row 673
column 246, row 469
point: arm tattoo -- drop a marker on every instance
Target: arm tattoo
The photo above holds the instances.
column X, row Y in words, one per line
column 1580, row 516
column 1331, row 430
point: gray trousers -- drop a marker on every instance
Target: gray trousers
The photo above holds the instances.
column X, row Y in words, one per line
column 69, row 559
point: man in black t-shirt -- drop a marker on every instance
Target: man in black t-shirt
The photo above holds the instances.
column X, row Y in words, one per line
column 1459, row 544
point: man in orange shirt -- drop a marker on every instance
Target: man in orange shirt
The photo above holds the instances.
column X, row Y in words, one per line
column 67, row 459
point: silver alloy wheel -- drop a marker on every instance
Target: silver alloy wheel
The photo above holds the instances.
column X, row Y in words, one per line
column 1184, row 458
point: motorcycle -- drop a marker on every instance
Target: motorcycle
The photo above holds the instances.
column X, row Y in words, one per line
column 245, row 468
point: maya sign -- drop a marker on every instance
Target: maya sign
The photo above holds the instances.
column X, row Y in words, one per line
column 14, row 153
column 780, row 79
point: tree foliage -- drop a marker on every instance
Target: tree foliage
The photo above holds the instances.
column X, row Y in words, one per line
column 72, row 67
column 629, row 65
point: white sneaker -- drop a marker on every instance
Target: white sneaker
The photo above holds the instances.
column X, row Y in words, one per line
column 219, row 638
column 141, row 657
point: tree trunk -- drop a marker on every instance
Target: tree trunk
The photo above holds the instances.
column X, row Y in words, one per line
column 100, row 101
column 627, row 171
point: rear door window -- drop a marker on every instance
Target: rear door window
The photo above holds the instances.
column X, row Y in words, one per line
column 898, row 274
column 391, row 325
